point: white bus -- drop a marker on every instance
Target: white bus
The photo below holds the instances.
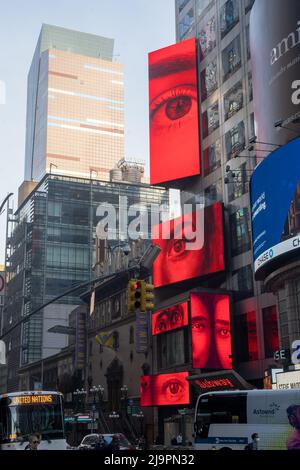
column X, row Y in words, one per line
column 25, row 413
column 227, row 420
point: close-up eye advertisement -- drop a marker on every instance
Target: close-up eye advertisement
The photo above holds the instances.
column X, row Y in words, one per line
column 174, row 112
column 165, row 389
column 149, row 231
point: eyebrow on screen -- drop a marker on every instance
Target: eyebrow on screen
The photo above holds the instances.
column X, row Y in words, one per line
column 199, row 317
column 171, row 65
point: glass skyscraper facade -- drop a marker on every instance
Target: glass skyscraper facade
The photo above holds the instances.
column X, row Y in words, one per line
column 75, row 106
column 51, row 249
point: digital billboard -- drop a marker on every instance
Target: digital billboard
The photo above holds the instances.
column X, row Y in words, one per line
column 174, row 114
column 191, row 246
column 275, row 51
column 170, row 319
column 211, row 331
column 165, row 389
column 275, row 207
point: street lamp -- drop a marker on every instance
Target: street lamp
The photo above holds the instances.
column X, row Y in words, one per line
column 114, row 415
column 140, row 416
column 80, row 394
column 97, row 390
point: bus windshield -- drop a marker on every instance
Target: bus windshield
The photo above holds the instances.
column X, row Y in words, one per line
column 21, row 420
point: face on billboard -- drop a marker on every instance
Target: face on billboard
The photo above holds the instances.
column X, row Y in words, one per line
column 165, row 389
column 211, row 331
column 174, row 123
column 177, row 261
column 170, row 319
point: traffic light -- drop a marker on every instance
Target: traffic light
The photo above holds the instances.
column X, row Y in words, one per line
column 147, row 297
column 131, row 296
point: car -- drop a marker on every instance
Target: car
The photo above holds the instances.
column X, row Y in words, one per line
column 90, row 440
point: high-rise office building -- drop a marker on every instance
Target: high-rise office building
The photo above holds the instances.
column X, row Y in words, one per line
column 222, row 29
column 75, row 106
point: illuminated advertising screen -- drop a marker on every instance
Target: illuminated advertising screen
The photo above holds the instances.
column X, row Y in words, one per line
column 174, row 120
column 275, row 207
column 275, row 51
column 165, row 389
column 170, row 319
column 191, row 246
column 211, row 331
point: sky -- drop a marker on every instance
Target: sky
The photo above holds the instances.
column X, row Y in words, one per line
column 138, row 27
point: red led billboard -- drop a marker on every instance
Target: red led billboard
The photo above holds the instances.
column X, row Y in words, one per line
column 191, row 246
column 211, row 331
column 174, row 119
column 165, row 389
column 170, row 318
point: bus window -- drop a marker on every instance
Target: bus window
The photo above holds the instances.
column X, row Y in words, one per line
column 220, row 409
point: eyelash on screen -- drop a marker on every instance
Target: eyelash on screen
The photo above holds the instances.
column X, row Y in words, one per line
column 163, row 98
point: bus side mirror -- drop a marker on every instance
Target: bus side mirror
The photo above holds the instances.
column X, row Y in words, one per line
column 196, row 429
column 1, row 431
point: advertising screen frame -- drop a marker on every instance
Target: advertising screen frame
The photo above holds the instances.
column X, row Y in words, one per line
column 174, row 84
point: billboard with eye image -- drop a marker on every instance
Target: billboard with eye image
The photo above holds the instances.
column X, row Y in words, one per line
column 170, row 319
column 165, row 389
column 191, row 246
column 174, row 114
column 211, row 331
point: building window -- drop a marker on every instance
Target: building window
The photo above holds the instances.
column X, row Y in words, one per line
column 238, row 185
column 212, row 157
column 186, row 23
column 131, row 335
column 116, row 344
column 210, row 120
column 247, row 342
column 240, row 231
column 209, row 81
column 181, row 4
column 207, row 37
column 271, row 337
column 231, row 58
column 172, row 349
column 213, row 193
column 229, row 16
column 243, row 282
column 248, row 42
column 235, row 140
column 233, row 100
column 202, row 5
column 91, row 348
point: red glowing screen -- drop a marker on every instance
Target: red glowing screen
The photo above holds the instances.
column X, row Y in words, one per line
column 165, row 389
column 170, row 319
column 174, row 121
column 211, row 331
column 192, row 248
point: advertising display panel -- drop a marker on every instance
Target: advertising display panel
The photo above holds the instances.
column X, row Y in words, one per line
column 165, row 389
column 275, row 207
column 191, row 246
column 170, row 319
column 174, row 113
column 275, row 52
column 211, row 331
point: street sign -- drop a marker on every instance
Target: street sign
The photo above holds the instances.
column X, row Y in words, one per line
column 183, row 411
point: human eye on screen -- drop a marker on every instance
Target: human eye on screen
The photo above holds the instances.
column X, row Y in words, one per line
column 162, row 323
column 176, row 316
column 173, row 389
column 173, row 107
